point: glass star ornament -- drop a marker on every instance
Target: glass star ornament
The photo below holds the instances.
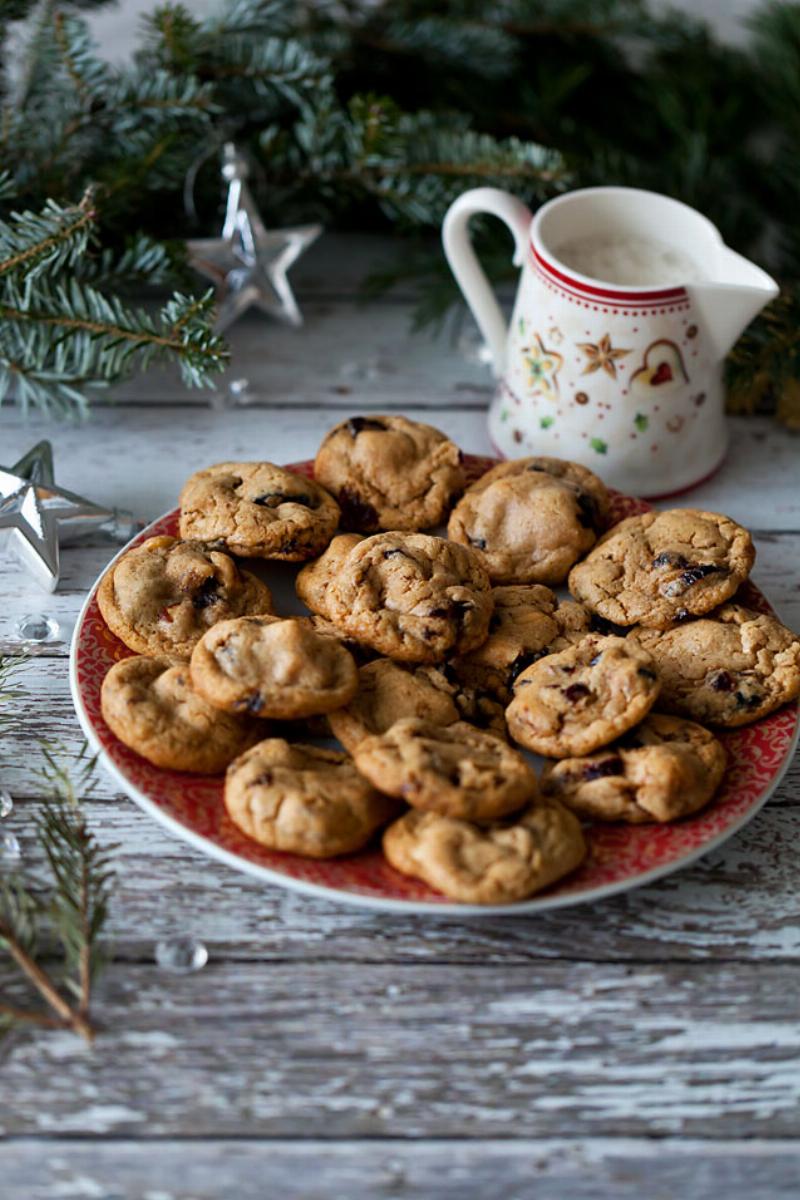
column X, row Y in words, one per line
column 35, row 514
column 248, row 263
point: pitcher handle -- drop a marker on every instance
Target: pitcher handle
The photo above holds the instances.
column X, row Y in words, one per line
column 469, row 273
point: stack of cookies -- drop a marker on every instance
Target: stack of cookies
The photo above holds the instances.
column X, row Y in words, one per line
column 426, row 657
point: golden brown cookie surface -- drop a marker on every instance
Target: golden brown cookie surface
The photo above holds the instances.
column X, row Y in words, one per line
column 531, row 519
column 500, row 863
column 388, row 691
column 663, row 769
column 387, row 472
column 454, row 769
column 258, row 510
column 575, row 701
column 272, row 667
column 303, row 800
column 150, row 705
column 729, row 668
column 663, row 566
column 411, row 596
column 162, row 596
column 314, row 580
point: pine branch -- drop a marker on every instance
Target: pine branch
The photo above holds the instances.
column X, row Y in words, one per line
column 34, row 242
column 81, row 880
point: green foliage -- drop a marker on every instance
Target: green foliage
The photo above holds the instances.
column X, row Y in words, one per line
column 70, row 906
column 364, row 114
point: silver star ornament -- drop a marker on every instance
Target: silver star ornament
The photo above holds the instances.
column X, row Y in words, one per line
column 248, row 263
column 34, row 512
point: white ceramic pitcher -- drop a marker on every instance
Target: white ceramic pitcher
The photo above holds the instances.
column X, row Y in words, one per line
column 626, row 380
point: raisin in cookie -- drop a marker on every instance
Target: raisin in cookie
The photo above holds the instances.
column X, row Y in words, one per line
column 522, row 629
column 162, row 596
column 388, row 691
column 728, row 669
column 303, row 800
column 411, row 596
column 389, row 473
column 150, row 705
column 500, row 863
column 579, row 699
column 531, row 519
column 271, row 667
column 666, row 566
column 455, row 769
column 258, row 510
column 663, row 769
column 314, row 580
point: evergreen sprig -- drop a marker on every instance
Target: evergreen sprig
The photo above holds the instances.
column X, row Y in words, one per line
column 366, row 114
column 71, row 905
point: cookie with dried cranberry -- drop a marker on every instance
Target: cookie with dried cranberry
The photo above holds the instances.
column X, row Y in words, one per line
column 663, row 769
column 522, row 628
column 162, row 596
column 664, row 566
column 455, row 769
column 531, row 519
column 388, row 691
column 304, row 800
column 258, row 510
column 387, row 472
column 272, row 667
column 314, row 579
column 728, row 669
column 411, row 596
column 582, row 698
column 500, row 863
column 151, row 706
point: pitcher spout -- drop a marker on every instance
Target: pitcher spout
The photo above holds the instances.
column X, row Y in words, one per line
column 729, row 303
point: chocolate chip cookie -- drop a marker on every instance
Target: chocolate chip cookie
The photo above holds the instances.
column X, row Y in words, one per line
column 388, row 691
column 663, row 769
column 661, row 567
column 411, row 596
column 575, row 701
column 150, row 705
column 728, row 669
column 315, row 578
column 387, row 472
column 303, row 800
column 522, row 629
column 455, row 769
column 258, row 510
column 531, row 519
column 162, row 596
column 270, row 667
column 500, row 863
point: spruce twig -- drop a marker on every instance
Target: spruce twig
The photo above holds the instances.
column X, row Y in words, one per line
column 76, row 905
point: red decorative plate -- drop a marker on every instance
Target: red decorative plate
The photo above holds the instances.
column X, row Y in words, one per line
column 620, row 856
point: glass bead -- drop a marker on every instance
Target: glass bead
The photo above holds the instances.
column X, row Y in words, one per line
column 38, row 627
column 181, row 955
column 10, row 849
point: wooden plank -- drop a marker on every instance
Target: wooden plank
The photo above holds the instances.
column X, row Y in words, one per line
column 739, row 902
column 552, row 1169
column 137, row 458
column 300, row 1049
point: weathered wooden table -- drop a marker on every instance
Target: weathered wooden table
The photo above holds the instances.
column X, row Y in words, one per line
column 645, row 1046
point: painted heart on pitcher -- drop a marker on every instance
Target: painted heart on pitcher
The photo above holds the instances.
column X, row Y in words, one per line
column 661, row 371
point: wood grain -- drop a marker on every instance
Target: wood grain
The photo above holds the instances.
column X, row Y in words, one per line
column 280, row 1049
column 737, row 903
column 646, row 1045
column 550, row 1169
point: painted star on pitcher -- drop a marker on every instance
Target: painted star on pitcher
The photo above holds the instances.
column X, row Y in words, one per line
column 601, row 356
column 543, row 367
